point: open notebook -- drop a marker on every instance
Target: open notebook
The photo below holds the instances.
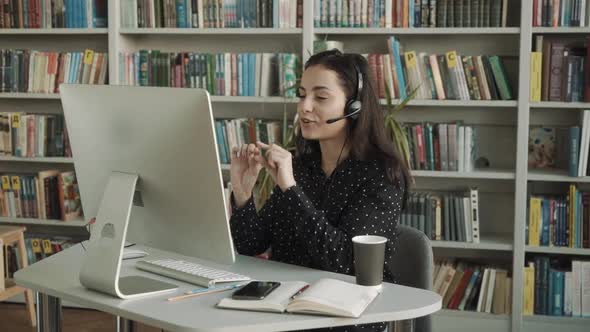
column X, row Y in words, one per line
column 329, row 297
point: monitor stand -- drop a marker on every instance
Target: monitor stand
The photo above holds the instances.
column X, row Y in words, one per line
column 102, row 263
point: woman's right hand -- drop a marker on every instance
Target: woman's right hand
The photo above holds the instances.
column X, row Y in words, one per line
column 246, row 163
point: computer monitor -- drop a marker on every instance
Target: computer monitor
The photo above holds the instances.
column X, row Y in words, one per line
column 166, row 137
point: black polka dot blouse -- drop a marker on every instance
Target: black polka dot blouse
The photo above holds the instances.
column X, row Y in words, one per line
column 312, row 223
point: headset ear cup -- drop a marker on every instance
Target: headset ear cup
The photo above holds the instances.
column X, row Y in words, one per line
column 348, row 106
column 353, row 106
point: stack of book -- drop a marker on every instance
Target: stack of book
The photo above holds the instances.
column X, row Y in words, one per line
column 38, row 246
column 560, row 13
column 442, row 146
column 560, row 221
column 225, row 74
column 46, row 195
column 31, row 14
column 410, row 13
column 560, row 70
column 235, row 132
column 43, row 72
column 470, row 286
column 444, row 216
column 212, row 13
column 556, row 288
column 33, row 135
column 448, row 76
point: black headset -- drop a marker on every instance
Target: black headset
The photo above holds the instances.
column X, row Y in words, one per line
column 353, row 105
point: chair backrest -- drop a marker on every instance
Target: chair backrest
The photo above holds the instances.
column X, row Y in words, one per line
column 412, row 265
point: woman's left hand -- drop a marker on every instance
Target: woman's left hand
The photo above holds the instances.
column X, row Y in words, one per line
column 279, row 164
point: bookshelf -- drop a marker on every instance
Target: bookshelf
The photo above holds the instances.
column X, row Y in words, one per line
column 556, row 176
column 210, row 31
column 561, row 30
column 55, row 31
column 559, row 105
column 22, row 95
column 43, row 160
column 45, row 40
column 559, row 250
column 489, row 242
column 452, row 320
column 43, row 222
column 418, row 31
column 506, row 183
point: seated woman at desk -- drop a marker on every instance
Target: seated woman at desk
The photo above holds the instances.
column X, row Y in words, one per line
column 346, row 179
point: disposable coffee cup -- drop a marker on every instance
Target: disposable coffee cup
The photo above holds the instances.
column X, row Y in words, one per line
column 369, row 257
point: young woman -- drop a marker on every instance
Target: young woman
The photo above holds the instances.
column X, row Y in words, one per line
column 346, row 179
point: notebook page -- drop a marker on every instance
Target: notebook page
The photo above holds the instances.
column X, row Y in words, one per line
column 338, row 294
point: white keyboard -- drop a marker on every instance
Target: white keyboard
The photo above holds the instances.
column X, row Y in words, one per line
column 190, row 272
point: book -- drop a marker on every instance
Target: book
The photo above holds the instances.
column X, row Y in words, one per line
column 328, row 297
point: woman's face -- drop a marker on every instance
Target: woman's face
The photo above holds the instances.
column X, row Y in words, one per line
column 321, row 97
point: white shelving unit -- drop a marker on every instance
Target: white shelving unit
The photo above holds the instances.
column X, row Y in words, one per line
column 497, row 242
column 559, row 250
column 55, row 31
column 210, row 31
column 43, row 222
column 418, row 31
column 58, row 39
column 562, row 30
column 20, row 95
column 44, row 160
column 559, row 104
column 487, row 174
column 461, row 103
column 507, row 118
column 556, row 176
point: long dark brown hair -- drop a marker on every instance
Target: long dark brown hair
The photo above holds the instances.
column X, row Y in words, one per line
column 367, row 136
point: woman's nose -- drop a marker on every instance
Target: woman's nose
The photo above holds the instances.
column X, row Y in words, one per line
column 305, row 105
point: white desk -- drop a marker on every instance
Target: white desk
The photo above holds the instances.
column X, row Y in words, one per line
column 57, row 278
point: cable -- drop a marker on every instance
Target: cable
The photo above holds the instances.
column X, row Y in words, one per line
column 331, row 177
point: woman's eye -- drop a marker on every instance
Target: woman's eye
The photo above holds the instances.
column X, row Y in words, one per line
column 321, row 98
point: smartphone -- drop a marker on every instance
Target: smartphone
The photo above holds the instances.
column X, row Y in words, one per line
column 255, row 290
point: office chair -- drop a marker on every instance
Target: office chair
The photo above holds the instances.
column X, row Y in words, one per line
column 412, row 264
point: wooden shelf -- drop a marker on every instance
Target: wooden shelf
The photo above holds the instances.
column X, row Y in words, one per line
column 210, row 31
column 547, row 30
column 559, row 250
column 55, row 31
column 417, row 31
column 477, row 174
column 490, row 242
column 45, row 222
column 559, row 104
column 555, row 176
column 10, row 291
column 24, row 95
column 47, row 160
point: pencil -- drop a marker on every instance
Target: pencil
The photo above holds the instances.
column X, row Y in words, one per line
column 186, row 296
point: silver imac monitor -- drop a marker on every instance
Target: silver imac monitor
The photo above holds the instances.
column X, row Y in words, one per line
column 148, row 155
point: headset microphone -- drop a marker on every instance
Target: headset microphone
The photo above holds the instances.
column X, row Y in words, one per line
column 343, row 117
